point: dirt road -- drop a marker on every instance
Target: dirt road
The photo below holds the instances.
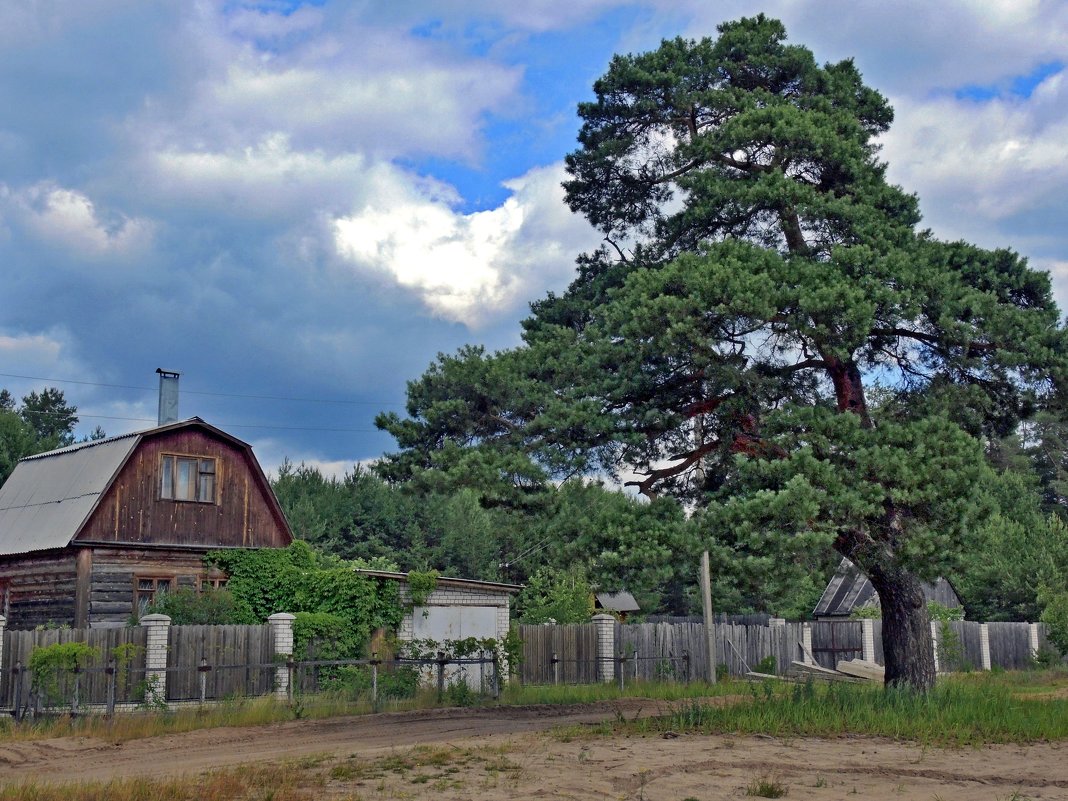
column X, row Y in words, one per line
column 504, row 753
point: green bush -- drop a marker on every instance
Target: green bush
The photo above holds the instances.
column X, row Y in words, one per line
column 186, row 607
column 297, row 579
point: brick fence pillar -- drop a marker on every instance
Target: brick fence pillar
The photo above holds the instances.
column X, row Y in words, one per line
column 157, row 629
column 868, row 640
column 984, row 646
column 606, row 645
column 806, row 643
column 282, row 634
column 1032, row 639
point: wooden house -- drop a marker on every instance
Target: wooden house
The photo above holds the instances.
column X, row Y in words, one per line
column 90, row 534
column 849, row 589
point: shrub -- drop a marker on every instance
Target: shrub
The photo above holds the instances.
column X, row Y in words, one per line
column 186, row 607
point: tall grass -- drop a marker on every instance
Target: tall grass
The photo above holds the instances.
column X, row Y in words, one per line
column 957, row 712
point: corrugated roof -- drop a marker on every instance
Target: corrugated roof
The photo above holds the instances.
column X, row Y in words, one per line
column 48, row 496
column 850, row 589
column 621, row 601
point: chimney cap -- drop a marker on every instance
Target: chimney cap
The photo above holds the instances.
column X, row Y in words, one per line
column 167, row 373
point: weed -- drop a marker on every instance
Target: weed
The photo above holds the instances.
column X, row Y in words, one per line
column 820, row 782
column 766, row 787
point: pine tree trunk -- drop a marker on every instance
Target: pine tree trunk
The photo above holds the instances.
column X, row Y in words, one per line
column 907, row 649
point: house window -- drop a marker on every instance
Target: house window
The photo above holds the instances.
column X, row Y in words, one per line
column 207, row 583
column 148, row 589
column 187, row 478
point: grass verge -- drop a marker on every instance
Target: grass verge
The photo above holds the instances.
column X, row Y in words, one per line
column 961, row 711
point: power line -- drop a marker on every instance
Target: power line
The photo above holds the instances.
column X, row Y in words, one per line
column 211, row 394
column 80, row 416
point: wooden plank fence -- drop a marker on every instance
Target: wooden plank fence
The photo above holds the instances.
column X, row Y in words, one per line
column 17, row 646
column 677, row 651
column 241, row 660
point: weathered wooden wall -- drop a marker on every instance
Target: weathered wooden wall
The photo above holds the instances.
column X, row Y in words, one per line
column 114, row 572
column 131, row 511
column 40, row 589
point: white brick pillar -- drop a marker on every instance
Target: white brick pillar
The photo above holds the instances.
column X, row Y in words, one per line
column 281, row 624
column 984, row 646
column 868, row 639
column 1032, row 639
column 606, row 645
column 806, row 643
column 157, row 628
column 935, row 644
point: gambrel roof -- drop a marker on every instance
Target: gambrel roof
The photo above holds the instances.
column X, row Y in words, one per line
column 50, row 496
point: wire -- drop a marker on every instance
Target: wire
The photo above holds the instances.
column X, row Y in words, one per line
column 212, row 394
column 80, row 416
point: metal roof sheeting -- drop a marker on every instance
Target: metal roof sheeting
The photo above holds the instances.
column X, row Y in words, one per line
column 621, row 601
column 850, row 589
column 48, row 497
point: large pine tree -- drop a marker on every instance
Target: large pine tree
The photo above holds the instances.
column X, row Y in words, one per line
column 765, row 331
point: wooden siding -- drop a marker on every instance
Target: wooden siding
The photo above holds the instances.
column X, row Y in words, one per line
column 243, row 514
column 114, row 571
column 40, row 589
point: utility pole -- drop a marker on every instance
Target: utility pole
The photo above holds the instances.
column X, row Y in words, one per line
column 710, row 629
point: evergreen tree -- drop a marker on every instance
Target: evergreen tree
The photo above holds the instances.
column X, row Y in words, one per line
column 760, row 280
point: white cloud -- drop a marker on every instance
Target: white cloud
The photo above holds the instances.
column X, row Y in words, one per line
column 468, row 267
column 979, row 166
column 69, row 219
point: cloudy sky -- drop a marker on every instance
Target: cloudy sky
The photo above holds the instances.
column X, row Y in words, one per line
column 297, row 205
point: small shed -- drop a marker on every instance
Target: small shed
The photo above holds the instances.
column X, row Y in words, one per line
column 850, row 589
column 620, row 603
column 456, row 609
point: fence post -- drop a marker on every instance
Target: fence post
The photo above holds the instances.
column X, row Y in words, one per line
column 806, row 643
column 16, row 678
column 622, row 669
column 868, row 640
column 374, row 679
column 935, row 645
column 686, row 664
column 984, row 646
column 109, row 671
column 3, row 625
column 203, row 670
column 556, row 668
column 75, row 700
column 606, row 645
column 156, row 658
column 1032, row 639
column 441, row 674
column 281, row 624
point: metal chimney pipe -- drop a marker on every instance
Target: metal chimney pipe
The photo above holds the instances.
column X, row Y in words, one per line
column 168, row 396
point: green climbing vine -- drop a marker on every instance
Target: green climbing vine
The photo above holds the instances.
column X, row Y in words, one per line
column 421, row 584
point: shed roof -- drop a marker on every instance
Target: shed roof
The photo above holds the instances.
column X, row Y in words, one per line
column 850, row 589
column 49, row 496
column 492, row 586
column 621, row 601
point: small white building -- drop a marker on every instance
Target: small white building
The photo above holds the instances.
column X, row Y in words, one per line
column 455, row 610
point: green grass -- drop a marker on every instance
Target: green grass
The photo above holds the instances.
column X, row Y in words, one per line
column 960, row 711
column 590, row 693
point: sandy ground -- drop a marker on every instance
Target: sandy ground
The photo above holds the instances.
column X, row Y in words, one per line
column 512, row 753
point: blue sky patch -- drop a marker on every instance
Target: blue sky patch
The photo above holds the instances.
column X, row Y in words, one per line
column 1021, row 86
